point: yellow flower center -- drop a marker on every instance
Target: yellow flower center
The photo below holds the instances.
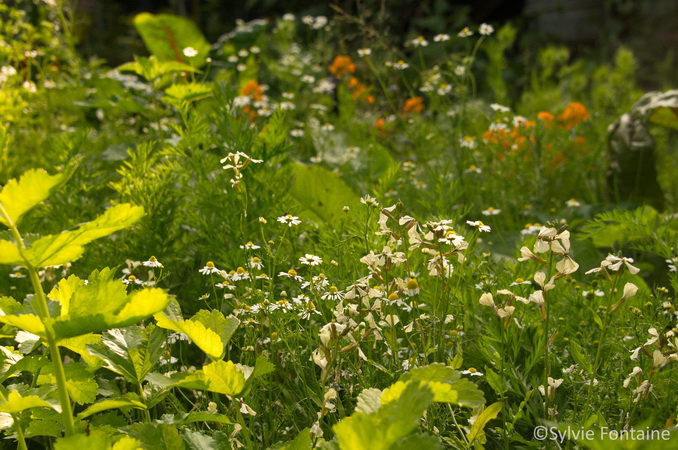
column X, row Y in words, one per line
column 412, row 284
column 209, row 264
column 132, row 278
column 333, row 289
column 255, row 260
column 292, row 272
column 472, row 370
column 152, row 259
column 274, row 336
column 519, row 280
column 393, row 297
column 241, row 271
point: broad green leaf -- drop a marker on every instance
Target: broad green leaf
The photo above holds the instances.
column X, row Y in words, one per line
column 80, row 383
column 27, row 322
column 15, row 403
column 127, row 443
column 198, row 440
column 30, row 364
column 64, row 290
column 224, row 378
column 136, row 307
column 19, row 197
column 111, row 403
column 369, row 401
column 477, row 433
column 166, row 36
column 215, row 321
column 301, row 442
column 131, row 352
column 418, row 441
column 391, row 423
column 98, row 440
column 157, row 437
column 151, row 68
column 44, row 427
column 207, row 340
column 9, row 254
column 197, row 416
column 189, row 91
column 321, row 193
column 69, row 245
column 432, row 372
column 9, row 306
column 79, row 345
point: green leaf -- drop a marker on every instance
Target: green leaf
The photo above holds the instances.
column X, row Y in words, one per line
column 15, row 403
column 151, row 68
column 27, row 322
column 321, row 193
column 197, row 440
column 64, row 290
column 215, row 321
column 127, row 443
column 189, row 91
column 166, row 36
column 69, row 245
column 79, row 345
column 197, row 416
column 98, row 440
column 224, row 378
column 19, row 197
column 131, row 310
column 418, row 441
column 391, row 423
column 80, row 384
column 9, row 254
column 578, row 354
column 112, row 403
column 42, row 427
column 157, row 437
column 205, row 338
column 369, row 401
column 301, row 442
column 477, row 433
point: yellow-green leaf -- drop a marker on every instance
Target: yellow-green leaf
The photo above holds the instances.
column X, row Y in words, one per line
column 224, row 377
column 63, row 292
column 476, row 433
column 16, row 403
column 27, row 322
column 68, row 246
column 208, row 341
column 104, row 405
column 18, row 197
column 9, row 254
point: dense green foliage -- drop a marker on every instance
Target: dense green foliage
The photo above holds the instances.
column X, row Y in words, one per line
column 272, row 241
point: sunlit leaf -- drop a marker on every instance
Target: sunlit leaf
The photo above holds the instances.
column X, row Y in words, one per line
column 477, row 433
column 9, row 254
column 208, row 341
column 166, row 36
column 111, row 403
column 18, row 197
column 16, row 403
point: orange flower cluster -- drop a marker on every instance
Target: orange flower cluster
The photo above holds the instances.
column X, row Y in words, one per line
column 574, row 114
column 253, row 90
column 342, row 65
column 358, row 89
column 512, row 140
column 414, row 105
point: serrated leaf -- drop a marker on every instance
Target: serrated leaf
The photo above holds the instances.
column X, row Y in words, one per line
column 391, row 423
column 418, row 441
column 369, row 401
column 215, row 321
column 64, row 290
column 224, row 378
column 79, row 345
column 477, row 433
column 112, row 403
column 19, row 197
column 432, row 372
column 189, row 91
column 198, row 440
column 157, row 437
column 301, row 442
column 127, row 443
column 197, row 416
column 16, row 403
column 96, row 440
column 9, row 254
column 68, row 246
column 80, row 384
column 151, row 68
column 167, row 35
column 27, row 322
column 43, row 427
column 207, row 340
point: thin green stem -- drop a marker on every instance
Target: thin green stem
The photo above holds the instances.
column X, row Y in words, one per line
column 40, row 304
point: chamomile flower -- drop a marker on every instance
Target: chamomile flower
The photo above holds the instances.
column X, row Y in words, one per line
column 400, row 65
column 289, row 220
column 411, row 287
column 467, row 142
column 369, row 201
column 152, row 262
column 441, row 37
column 572, row 203
column 189, row 52
column 520, row 281
column 250, row 246
column 256, row 263
column 310, row 260
column 240, row 274
column 473, row 372
column 485, row 29
column 465, row 32
column 491, row 211
column 291, row 274
column 333, row 294
column 473, row 169
column 209, row 269
column 419, row 41
column 362, row 52
column 480, row 225
column 673, row 263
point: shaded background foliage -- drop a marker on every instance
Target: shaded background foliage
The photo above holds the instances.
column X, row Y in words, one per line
column 589, row 27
